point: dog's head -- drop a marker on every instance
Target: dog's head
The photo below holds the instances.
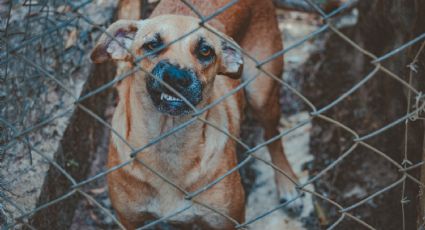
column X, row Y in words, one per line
column 178, row 52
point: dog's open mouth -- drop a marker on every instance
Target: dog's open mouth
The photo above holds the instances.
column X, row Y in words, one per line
column 169, row 98
column 169, row 103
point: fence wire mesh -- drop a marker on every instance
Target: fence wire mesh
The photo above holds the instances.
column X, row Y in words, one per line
column 45, row 42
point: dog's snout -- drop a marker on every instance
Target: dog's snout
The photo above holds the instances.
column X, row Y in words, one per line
column 175, row 76
column 182, row 80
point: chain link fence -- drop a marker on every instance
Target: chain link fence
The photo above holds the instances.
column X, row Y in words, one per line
column 44, row 47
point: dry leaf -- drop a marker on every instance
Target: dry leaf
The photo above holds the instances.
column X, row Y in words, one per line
column 97, row 191
column 72, row 38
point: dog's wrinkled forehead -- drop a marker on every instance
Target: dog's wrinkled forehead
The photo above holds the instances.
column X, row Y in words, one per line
column 176, row 29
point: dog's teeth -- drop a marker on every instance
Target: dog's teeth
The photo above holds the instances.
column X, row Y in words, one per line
column 169, row 97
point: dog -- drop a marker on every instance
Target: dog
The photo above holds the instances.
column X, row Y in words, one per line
column 200, row 68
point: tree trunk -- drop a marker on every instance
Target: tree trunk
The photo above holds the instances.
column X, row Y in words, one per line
column 81, row 140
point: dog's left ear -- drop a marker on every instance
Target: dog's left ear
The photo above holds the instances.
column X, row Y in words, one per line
column 231, row 59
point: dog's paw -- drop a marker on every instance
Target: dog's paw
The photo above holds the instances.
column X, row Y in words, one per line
column 293, row 198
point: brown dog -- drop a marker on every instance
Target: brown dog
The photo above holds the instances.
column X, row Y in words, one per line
column 201, row 67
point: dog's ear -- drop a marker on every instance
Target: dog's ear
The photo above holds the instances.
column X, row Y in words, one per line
column 231, row 59
column 115, row 43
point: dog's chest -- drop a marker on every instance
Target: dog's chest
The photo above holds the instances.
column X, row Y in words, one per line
column 180, row 210
column 168, row 200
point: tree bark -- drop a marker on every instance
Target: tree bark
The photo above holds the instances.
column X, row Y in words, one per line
column 81, row 140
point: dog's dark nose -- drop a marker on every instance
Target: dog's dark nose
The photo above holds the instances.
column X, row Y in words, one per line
column 175, row 76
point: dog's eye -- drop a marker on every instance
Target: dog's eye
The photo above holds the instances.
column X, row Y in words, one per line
column 152, row 46
column 205, row 52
